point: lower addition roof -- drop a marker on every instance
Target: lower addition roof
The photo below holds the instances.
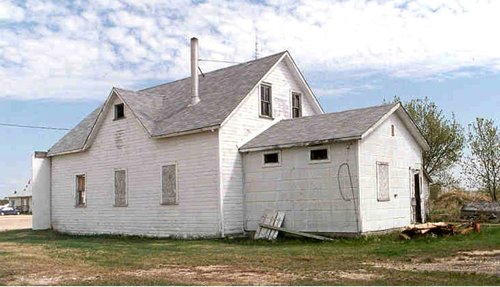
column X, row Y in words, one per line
column 340, row 126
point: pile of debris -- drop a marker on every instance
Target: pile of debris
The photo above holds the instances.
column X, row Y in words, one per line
column 439, row 229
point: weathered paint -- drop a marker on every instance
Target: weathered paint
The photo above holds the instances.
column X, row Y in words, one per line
column 402, row 153
column 246, row 122
column 124, row 144
column 41, row 167
column 307, row 192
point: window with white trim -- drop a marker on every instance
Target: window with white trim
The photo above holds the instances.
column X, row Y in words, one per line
column 319, row 154
column 296, row 105
column 272, row 158
column 266, row 107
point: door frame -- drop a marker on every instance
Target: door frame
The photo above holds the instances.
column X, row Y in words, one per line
column 416, row 183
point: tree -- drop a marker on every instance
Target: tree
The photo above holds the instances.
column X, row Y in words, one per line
column 444, row 135
column 482, row 168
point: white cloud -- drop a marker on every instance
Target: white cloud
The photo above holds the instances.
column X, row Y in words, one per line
column 10, row 12
column 80, row 50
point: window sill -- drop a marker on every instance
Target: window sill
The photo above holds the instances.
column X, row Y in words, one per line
column 169, row 204
column 114, row 205
column 117, row 119
column 81, row 205
column 271, row 165
column 319, row 161
column 266, row 117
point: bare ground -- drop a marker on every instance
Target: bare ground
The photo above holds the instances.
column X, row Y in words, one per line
column 480, row 262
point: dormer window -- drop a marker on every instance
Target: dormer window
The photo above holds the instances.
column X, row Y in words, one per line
column 119, row 111
column 296, row 105
column 266, row 107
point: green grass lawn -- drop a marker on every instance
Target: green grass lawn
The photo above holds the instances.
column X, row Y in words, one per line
column 50, row 258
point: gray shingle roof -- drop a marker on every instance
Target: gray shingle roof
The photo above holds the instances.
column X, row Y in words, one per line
column 319, row 128
column 165, row 109
column 75, row 139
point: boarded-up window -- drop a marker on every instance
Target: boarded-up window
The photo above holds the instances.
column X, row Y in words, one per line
column 169, row 184
column 80, row 190
column 120, row 188
column 382, row 181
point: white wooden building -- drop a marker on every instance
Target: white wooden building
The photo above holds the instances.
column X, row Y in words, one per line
column 206, row 155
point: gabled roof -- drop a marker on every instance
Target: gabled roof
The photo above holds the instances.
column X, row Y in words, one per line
column 76, row 138
column 164, row 110
column 317, row 129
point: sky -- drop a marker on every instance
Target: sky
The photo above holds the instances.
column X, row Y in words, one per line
column 59, row 60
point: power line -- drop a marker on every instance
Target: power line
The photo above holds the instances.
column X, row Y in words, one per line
column 33, row 127
column 218, row 61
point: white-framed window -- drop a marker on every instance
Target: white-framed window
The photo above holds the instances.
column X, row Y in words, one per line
column 319, row 154
column 271, row 158
column 119, row 111
column 169, row 185
column 120, row 177
column 266, row 100
column 383, row 185
column 80, row 190
column 296, row 105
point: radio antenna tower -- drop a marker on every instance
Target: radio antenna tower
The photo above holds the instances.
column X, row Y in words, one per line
column 256, row 53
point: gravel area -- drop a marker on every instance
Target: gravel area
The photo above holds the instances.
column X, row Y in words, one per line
column 10, row 222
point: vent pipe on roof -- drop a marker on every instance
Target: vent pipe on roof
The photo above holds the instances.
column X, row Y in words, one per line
column 195, row 97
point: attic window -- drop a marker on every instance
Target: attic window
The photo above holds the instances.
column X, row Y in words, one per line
column 266, row 107
column 393, row 133
column 119, row 111
column 296, row 105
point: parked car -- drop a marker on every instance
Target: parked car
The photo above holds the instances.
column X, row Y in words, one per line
column 9, row 210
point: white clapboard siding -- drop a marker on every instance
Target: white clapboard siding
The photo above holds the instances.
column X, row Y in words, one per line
column 401, row 152
column 307, row 192
column 244, row 122
column 124, row 144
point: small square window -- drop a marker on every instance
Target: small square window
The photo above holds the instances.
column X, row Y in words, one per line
column 272, row 158
column 319, row 154
column 119, row 111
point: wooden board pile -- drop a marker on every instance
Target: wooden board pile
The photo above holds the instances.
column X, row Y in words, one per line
column 270, row 224
column 439, row 229
column 271, row 218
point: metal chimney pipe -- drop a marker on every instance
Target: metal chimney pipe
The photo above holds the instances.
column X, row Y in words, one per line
column 195, row 97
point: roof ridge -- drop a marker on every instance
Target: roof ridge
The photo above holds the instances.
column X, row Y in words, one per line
column 340, row 112
column 218, row 70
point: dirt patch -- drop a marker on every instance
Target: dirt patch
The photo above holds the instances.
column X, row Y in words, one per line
column 32, row 265
column 358, row 275
column 480, row 262
column 215, row 274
